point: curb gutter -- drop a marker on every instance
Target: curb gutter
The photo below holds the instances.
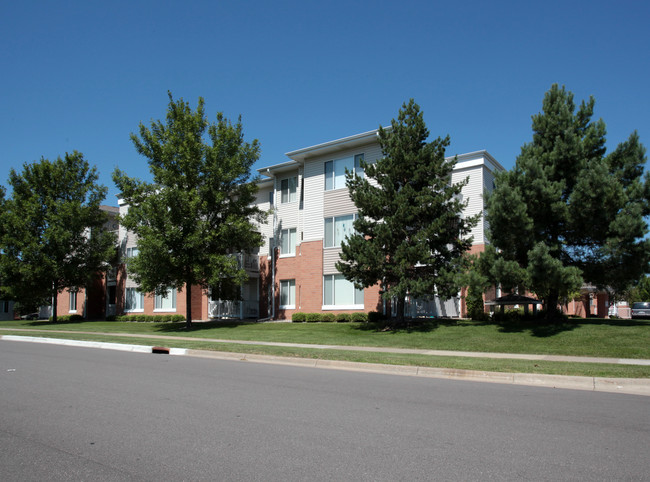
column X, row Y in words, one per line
column 634, row 386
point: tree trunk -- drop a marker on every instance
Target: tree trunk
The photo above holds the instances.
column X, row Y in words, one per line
column 188, row 305
column 401, row 302
column 55, row 303
column 551, row 305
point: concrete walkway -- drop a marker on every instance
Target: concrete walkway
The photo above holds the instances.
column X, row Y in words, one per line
column 631, row 386
column 412, row 351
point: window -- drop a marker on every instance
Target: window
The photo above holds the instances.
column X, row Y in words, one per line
column 337, row 229
column 73, row 301
column 288, row 190
column 271, row 198
column 288, row 241
column 166, row 302
column 131, row 253
column 5, row 307
column 340, row 293
column 335, row 171
column 134, row 300
column 288, row 294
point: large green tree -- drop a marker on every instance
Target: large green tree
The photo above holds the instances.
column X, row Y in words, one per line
column 198, row 213
column 52, row 234
column 410, row 232
column 569, row 213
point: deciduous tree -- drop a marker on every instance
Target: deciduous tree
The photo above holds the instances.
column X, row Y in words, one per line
column 410, row 233
column 52, row 234
column 198, row 213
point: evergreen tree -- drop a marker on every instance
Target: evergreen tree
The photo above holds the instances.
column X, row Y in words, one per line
column 52, row 234
column 568, row 213
column 198, row 213
column 410, row 234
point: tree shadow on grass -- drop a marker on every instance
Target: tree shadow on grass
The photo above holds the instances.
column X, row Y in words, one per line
column 413, row 325
column 179, row 327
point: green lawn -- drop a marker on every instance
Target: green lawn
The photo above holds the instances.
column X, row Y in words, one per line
column 462, row 363
column 591, row 337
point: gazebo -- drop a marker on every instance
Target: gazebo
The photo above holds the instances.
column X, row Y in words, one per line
column 515, row 299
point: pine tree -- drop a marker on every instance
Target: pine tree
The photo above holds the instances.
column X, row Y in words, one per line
column 410, row 234
column 198, row 213
column 52, row 234
column 568, row 213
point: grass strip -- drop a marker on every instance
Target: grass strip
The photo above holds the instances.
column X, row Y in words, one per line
column 579, row 337
column 465, row 363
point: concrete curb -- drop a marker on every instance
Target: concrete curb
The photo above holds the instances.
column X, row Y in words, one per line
column 633, row 386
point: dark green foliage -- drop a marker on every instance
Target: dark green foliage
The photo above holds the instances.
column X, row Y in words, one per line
column 375, row 317
column 328, row 317
column 51, row 230
column 343, row 318
column 298, row 317
column 641, row 292
column 410, row 233
column 198, row 213
column 66, row 318
column 360, row 317
column 147, row 318
column 474, row 303
column 313, row 317
column 568, row 213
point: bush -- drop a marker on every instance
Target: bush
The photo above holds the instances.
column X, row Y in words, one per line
column 111, row 318
column 67, row 318
column 178, row 318
column 313, row 317
column 298, row 317
column 328, row 317
column 375, row 317
column 359, row 317
column 343, row 318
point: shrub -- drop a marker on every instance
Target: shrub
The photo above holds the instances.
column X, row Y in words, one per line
column 111, row 318
column 328, row 317
column 375, row 317
column 298, row 317
column 313, row 317
column 343, row 318
column 178, row 318
column 359, row 317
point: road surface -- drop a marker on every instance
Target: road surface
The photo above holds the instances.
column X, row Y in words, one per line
column 80, row 414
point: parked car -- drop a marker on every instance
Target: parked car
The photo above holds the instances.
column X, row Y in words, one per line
column 30, row 316
column 641, row 309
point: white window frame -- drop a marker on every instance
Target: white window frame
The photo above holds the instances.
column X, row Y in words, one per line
column 73, row 301
column 329, row 302
column 334, row 171
column 288, row 193
column 330, row 230
column 288, row 248
column 288, row 294
column 165, row 303
column 137, row 294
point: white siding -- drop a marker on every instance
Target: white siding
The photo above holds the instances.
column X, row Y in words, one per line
column 288, row 214
column 318, row 203
column 472, row 194
column 262, row 202
column 330, row 257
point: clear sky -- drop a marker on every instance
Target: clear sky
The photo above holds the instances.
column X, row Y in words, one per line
column 83, row 74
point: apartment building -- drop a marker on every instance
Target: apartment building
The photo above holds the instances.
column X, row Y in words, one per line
column 310, row 213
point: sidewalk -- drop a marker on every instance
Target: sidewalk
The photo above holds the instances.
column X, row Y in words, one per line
column 631, row 386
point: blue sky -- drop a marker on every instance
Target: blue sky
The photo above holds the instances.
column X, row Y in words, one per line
column 83, row 74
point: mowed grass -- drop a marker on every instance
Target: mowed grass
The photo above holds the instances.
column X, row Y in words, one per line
column 453, row 362
column 580, row 337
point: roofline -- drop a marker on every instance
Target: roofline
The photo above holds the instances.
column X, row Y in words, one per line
column 337, row 144
column 468, row 156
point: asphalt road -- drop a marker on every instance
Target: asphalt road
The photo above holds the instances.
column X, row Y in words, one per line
column 81, row 414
